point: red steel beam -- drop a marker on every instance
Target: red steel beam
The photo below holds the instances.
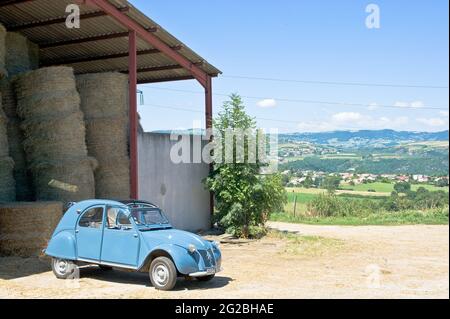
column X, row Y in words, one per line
column 5, row 3
column 94, row 38
column 169, row 79
column 157, row 43
column 134, row 162
column 103, row 57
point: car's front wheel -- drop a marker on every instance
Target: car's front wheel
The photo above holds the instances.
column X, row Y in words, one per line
column 163, row 273
column 62, row 268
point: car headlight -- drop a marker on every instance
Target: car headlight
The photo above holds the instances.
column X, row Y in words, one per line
column 192, row 249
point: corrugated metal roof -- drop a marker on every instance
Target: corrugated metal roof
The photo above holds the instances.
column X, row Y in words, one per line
column 16, row 15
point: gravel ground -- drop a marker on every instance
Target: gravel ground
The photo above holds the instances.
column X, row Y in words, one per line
column 327, row 262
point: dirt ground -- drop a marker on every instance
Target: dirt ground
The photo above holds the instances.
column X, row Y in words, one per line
column 326, row 262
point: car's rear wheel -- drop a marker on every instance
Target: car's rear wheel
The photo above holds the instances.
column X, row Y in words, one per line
column 206, row 278
column 163, row 273
column 63, row 268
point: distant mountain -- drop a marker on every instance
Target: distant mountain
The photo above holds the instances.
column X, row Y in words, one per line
column 375, row 138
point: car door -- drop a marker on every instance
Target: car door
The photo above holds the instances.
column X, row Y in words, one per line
column 89, row 233
column 120, row 239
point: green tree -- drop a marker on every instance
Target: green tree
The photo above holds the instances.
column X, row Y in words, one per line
column 402, row 187
column 331, row 183
column 244, row 198
column 308, row 182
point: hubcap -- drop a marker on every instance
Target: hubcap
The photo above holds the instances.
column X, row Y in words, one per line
column 160, row 274
column 61, row 266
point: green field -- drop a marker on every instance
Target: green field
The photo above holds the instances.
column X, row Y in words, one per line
column 388, row 187
column 436, row 217
column 305, row 196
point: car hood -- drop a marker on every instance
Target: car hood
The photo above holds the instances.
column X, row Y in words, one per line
column 175, row 237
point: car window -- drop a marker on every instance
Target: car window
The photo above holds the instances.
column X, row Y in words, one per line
column 122, row 219
column 111, row 217
column 117, row 218
column 93, row 218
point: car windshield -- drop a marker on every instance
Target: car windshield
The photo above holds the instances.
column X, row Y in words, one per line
column 149, row 216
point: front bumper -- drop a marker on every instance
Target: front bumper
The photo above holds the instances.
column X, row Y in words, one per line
column 209, row 272
column 209, row 263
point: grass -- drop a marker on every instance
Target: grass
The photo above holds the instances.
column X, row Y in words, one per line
column 306, row 245
column 304, row 196
column 435, row 217
column 388, row 187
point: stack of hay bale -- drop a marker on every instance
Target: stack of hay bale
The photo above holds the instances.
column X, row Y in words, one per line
column 49, row 104
column 104, row 102
column 26, row 228
column 2, row 51
column 21, row 56
column 7, row 184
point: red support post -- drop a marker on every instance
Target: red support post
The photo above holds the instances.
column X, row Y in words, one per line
column 209, row 118
column 132, row 68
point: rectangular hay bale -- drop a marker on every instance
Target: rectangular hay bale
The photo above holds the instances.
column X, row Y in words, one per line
column 26, row 228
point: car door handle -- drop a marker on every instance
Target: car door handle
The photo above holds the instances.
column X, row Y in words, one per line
column 77, row 231
column 135, row 235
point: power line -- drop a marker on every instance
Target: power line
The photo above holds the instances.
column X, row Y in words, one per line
column 175, row 108
column 243, row 77
column 306, row 101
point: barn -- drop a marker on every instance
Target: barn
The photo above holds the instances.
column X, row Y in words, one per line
column 48, row 62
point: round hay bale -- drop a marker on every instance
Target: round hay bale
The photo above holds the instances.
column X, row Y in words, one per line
column 7, row 183
column 24, row 189
column 55, row 139
column 107, row 137
column 112, row 179
column 26, row 228
column 8, row 98
column 41, row 105
column 46, row 82
column 3, row 72
column 68, row 181
column 4, row 147
column 33, row 55
column 15, row 141
column 103, row 95
column 20, row 54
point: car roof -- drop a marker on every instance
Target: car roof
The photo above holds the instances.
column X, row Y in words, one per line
column 70, row 217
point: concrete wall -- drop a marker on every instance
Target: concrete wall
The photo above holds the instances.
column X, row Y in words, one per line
column 176, row 188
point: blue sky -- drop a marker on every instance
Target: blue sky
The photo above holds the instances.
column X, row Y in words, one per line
column 312, row 40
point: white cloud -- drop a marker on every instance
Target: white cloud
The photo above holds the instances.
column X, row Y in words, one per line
column 413, row 104
column 347, row 117
column 443, row 113
column 267, row 103
column 372, row 106
column 432, row 121
column 417, row 104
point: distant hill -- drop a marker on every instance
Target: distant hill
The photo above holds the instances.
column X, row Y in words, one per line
column 365, row 138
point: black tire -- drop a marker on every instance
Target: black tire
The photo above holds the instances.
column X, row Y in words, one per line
column 206, row 278
column 63, row 269
column 163, row 273
column 105, row 268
